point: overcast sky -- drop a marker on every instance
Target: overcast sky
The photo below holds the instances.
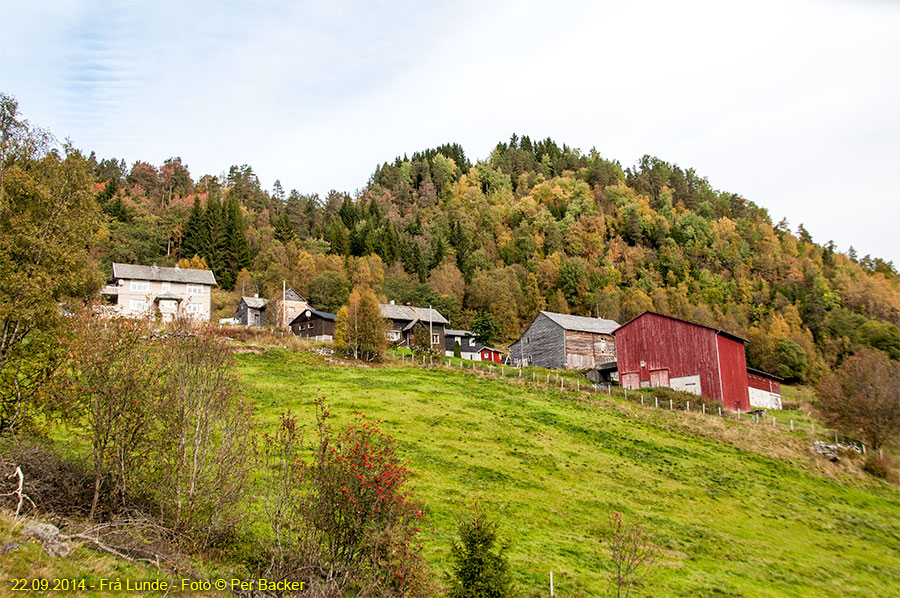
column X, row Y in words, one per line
column 795, row 105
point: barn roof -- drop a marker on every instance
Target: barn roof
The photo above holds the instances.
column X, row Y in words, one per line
column 764, row 374
column 137, row 272
column 254, row 302
column 717, row 330
column 582, row 324
column 411, row 314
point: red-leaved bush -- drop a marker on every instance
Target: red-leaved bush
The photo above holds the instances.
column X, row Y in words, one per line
column 355, row 526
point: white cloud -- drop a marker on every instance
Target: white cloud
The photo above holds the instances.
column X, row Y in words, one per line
column 791, row 104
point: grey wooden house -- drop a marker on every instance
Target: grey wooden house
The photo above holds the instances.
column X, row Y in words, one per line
column 251, row 311
column 561, row 341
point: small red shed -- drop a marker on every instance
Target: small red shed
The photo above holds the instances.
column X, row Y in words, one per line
column 488, row 354
column 765, row 389
column 654, row 349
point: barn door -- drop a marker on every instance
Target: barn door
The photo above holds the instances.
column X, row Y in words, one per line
column 659, row 378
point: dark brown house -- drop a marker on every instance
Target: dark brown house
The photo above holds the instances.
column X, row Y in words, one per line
column 315, row 324
column 403, row 320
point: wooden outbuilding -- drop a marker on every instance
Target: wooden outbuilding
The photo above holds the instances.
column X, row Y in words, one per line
column 490, row 354
column 654, row 349
column 765, row 389
column 251, row 311
column 469, row 347
column 314, row 324
column 560, row 341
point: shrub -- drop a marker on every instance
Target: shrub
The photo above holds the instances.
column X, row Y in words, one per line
column 480, row 568
column 877, row 466
column 631, row 554
column 344, row 521
column 861, row 398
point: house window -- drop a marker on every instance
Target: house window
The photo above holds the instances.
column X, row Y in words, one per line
column 167, row 305
column 435, row 339
column 166, row 287
column 309, row 326
column 196, row 308
column 138, row 305
column 393, row 335
column 527, row 341
column 290, row 310
column 471, row 342
column 195, row 289
column 140, row 286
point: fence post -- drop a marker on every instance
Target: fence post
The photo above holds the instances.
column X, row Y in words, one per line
column 864, row 448
column 720, row 412
column 670, row 404
column 792, row 425
column 773, row 421
column 739, row 416
column 642, row 400
column 835, row 437
column 813, row 429
column 548, row 377
column 688, row 406
column 656, row 402
column 703, row 408
column 562, row 382
column 502, row 370
column 880, row 453
column 578, row 385
column 626, row 393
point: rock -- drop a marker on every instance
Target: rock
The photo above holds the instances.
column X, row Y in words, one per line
column 48, row 536
column 10, row 547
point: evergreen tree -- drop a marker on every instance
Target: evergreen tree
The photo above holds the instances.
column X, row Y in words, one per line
column 480, row 569
column 214, row 252
column 338, row 237
column 196, row 235
column 284, row 231
column 237, row 251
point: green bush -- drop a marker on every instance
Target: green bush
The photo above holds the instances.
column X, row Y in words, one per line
column 479, row 569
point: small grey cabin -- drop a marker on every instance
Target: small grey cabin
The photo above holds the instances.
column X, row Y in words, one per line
column 561, row 341
column 251, row 311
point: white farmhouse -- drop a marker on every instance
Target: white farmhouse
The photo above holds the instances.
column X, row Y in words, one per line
column 139, row 291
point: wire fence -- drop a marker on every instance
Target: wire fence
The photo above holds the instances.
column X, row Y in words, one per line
column 650, row 398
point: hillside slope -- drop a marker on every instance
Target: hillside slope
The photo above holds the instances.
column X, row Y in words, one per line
column 730, row 522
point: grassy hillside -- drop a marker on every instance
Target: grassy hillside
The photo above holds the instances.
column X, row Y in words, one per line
column 731, row 522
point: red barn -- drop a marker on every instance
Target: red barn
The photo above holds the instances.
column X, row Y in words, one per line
column 658, row 350
column 765, row 389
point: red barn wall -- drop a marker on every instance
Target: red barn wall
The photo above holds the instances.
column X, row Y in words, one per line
column 733, row 371
column 681, row 347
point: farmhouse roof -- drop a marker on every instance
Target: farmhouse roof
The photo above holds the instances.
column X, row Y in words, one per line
column 453, row 332
column 411, row 314
column 137, row 272
column 254, row 302
column 292, row 295
column 582, row 324
column 717, row 330
column 323, row 314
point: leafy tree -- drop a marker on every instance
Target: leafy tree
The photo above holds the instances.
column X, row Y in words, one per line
column 486, row 330
column 791, row 359
column 48, row 217
column 479, row 567
column 359, row 329
column 862, row 399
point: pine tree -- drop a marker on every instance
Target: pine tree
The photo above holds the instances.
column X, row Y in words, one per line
column 196, row 234
column 214, row 252
column 479, row 569
column 237, row 251
column 284, row 231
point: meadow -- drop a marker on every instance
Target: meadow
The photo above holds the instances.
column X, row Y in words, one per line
column 736, row 509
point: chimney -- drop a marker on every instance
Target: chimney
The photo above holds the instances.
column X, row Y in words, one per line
column 154, row 266
column 256, row 295
column 393, row 302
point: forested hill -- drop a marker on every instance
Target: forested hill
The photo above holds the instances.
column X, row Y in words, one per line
column 533, row 226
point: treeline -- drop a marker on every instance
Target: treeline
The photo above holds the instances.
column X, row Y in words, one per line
column 534, row 226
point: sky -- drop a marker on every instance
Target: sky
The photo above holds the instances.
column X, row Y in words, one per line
column 794, row 105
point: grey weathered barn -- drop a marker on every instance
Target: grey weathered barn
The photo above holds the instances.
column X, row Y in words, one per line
column 559, row 341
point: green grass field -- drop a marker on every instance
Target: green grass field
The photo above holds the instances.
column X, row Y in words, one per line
column 731, row 520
